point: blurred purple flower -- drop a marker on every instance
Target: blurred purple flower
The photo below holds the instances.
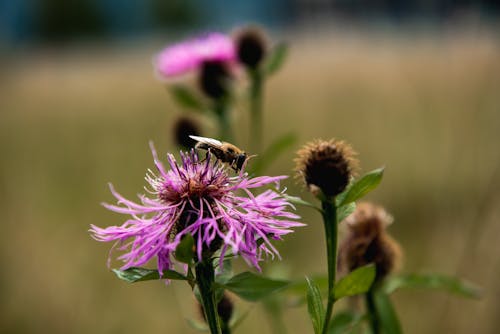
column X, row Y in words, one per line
column 199, row 198
column 188, row 55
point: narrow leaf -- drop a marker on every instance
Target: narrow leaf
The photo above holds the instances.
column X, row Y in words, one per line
column 185, row 250
column 315, row 306
column 274, row 150
column 344, row 322
column 183, row 96
column 136, row 274
column 386, row 314
column 300, row 201
column 356, row 282
column 252, row 287
column 345, row 210
column 276, row 59
column 432, row 281
column 361, row 187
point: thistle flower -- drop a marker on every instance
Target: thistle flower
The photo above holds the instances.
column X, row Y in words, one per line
column 189, row 55
column 368, row 242
column 326, row 165
column 199, row 198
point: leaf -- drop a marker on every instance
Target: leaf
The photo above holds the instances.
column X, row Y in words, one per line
column 276, row 59
column 450, row 284
column 185, row 249
column 315, row 306
column 361, row 187
column 183, row 96
column 253, row 287
column 386, row 314
column 356, row 282
column 300, row 201
column 344, row 322
column 345, row 210
column 277, row 147
column 136, row 274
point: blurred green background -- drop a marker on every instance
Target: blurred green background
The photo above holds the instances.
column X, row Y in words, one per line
column 424, row 103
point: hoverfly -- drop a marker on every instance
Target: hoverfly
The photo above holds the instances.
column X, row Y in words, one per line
column 225, row 152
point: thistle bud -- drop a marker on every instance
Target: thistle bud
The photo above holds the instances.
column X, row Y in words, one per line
column 182, row 129
column 368, row 242
column 326, row 166
column 251, row 47
column 214, row 79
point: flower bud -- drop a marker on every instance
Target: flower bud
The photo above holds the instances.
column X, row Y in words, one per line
column 183, row 128
column 368, row 242
column 326, row 166
column 250, row 47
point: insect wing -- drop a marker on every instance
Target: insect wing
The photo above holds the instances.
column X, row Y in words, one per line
column 208, row 141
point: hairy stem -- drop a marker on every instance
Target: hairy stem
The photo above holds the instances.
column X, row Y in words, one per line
column 372, row 311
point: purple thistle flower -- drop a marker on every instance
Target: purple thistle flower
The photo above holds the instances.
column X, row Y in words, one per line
column 199, row 198
column 189, row 55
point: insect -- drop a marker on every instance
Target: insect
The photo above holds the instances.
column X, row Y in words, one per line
column 225, row 152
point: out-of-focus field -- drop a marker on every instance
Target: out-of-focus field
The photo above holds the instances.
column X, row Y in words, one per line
column 428, row 108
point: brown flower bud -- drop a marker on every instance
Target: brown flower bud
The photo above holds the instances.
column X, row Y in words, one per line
column 182, row 129
column 326, row 165
column 214, row 79
column 368, row 242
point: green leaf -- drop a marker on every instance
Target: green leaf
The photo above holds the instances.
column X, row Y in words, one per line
column 252, row 287
column 344, row 322
column 345, row 210
column 185, row 250
column 356, row 282
column 386, row 314
column 276, row 59
column 315, row 306
column 136, row 274
column 432, row 281
column 300, row 201
column 274, row 150
column 360, row 187
column 183, row 96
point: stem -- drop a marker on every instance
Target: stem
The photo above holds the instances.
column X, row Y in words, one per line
column 372, row 311
column 256, row 109
column 220, row 108
column 330, row 223
column 205, row 278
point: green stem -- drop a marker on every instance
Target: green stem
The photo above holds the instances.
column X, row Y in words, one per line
column 330, row 223
column 372, row 311
column 220, row 108
column 205, row 278
column 256, row 109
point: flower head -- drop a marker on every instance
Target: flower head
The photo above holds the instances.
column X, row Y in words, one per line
column 183, row 57
column 251, row 47
column 326, row 165
column 199, row 198
column 368, row 242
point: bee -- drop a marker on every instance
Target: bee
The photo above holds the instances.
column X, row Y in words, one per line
column 225, row 152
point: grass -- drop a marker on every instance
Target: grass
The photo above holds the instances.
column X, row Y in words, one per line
column 428, row 108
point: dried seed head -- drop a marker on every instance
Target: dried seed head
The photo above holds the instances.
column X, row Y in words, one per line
column 251, row 47
column 183, row 128
column 326, row 165
column 214, row 79
column 368, row 242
